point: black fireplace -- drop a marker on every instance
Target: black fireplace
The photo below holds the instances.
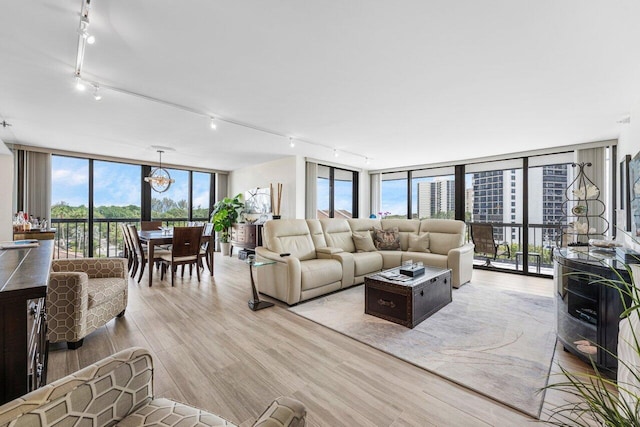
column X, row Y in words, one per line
column 588, row 310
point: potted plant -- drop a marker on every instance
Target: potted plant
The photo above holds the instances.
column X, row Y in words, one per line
column 225, row 213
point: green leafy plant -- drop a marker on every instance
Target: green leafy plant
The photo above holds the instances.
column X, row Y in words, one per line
column 594, row 399
column 225, row 213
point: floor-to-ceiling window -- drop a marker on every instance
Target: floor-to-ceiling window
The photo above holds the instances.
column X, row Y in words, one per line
column 70, row 205
column 91, row 198
column 201, row 196
column 493, row 194
column 116, row 199
column 173, row 204
column 336, row 192
column 433, row 193
column 394, row 195
column 549, row 177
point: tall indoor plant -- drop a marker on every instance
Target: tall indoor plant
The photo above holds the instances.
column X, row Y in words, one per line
column 225, row 213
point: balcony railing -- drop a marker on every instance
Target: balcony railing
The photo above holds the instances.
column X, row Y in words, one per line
column 72, row 236
column 542, row 241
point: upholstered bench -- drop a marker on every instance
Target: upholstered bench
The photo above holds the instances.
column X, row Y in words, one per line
column 118, row 390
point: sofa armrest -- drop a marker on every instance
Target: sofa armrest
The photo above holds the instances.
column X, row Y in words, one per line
column 67, row 306
column 327, row 252
column 282, row 280
column 460, row 261
column 348, row 267
column 283, row 412
column 94, row 267
column 99, row 386
column 263, row 252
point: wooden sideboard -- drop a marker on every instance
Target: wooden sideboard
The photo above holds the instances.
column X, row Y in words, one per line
column 48, row 234
column 246, row 236
column 24, row 275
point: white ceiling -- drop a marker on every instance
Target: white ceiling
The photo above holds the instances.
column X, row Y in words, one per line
column 401, row 82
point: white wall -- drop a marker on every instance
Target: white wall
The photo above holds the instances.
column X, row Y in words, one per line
column 6, row 193
column 288, row 171
column 629, row 143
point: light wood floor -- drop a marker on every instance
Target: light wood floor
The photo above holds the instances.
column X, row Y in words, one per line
column 211, row 351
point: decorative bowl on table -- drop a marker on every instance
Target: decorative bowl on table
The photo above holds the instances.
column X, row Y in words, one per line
column 604, row 244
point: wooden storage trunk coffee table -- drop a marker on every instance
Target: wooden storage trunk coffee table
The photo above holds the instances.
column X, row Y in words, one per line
column 407, row 302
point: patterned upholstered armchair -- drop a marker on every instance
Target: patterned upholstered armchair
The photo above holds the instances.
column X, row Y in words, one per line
column 83, row 295
column 119, row 390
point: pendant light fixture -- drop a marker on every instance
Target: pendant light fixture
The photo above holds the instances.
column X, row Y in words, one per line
column 159, row 178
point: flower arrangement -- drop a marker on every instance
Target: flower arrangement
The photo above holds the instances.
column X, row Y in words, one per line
column 383, row 215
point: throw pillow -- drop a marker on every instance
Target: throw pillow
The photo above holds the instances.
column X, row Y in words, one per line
column 419, row 243
column 363, row 242
column 387, row 240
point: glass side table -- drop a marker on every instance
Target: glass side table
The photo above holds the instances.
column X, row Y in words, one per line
column 255, row 304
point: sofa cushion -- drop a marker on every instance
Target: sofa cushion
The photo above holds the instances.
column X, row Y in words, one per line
column 337, row 233
column 317, row 235
column 391, row 259
column 387, row 240
column 319, row 272
column 419, row 243
column 442, row 243
column 366, row 262
column 363, row 242
column 364, row 224
column 406, row 227
column 103, row 290
column 165, row 412
column 289, row 236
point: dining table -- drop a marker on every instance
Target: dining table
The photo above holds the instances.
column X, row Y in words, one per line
column 155, row 238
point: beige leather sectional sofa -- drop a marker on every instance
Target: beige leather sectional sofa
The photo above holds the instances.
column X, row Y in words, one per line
column 322, row 255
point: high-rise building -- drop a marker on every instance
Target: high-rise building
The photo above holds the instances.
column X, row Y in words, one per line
column 436, row 198
column 497, row 198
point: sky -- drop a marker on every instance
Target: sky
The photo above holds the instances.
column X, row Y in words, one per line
column 116, row 184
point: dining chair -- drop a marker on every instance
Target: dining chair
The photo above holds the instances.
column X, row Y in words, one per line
column 207, row 247
column 129, row 251
column 150, row 225
column 185, row 250
column 142, row 255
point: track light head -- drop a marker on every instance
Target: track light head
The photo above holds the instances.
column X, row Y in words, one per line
column 96, row 94
column 80, row 84
column 213, row 124
column 335, row 152
column 367, row 161
column 291, row 142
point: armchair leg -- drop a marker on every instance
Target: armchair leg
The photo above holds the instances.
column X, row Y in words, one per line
column 75, row 345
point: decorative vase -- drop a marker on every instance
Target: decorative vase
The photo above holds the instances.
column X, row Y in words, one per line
column 224, row 248
column 628, row 346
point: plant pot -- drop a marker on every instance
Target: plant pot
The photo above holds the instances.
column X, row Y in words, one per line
column 224, row 248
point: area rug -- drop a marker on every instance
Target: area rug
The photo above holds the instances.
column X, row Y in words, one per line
column 495, row 342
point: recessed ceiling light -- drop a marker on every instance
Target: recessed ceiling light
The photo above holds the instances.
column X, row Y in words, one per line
column 91, row 39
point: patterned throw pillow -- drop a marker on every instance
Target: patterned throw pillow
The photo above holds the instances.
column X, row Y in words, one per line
column 419, row 243
column 387, row 240
column 363, row 242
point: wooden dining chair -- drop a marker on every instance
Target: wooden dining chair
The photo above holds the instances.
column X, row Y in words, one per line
column 142, row 256
column 207, row 248
column 185, row 250
column 129, row 251
column 150, row 225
